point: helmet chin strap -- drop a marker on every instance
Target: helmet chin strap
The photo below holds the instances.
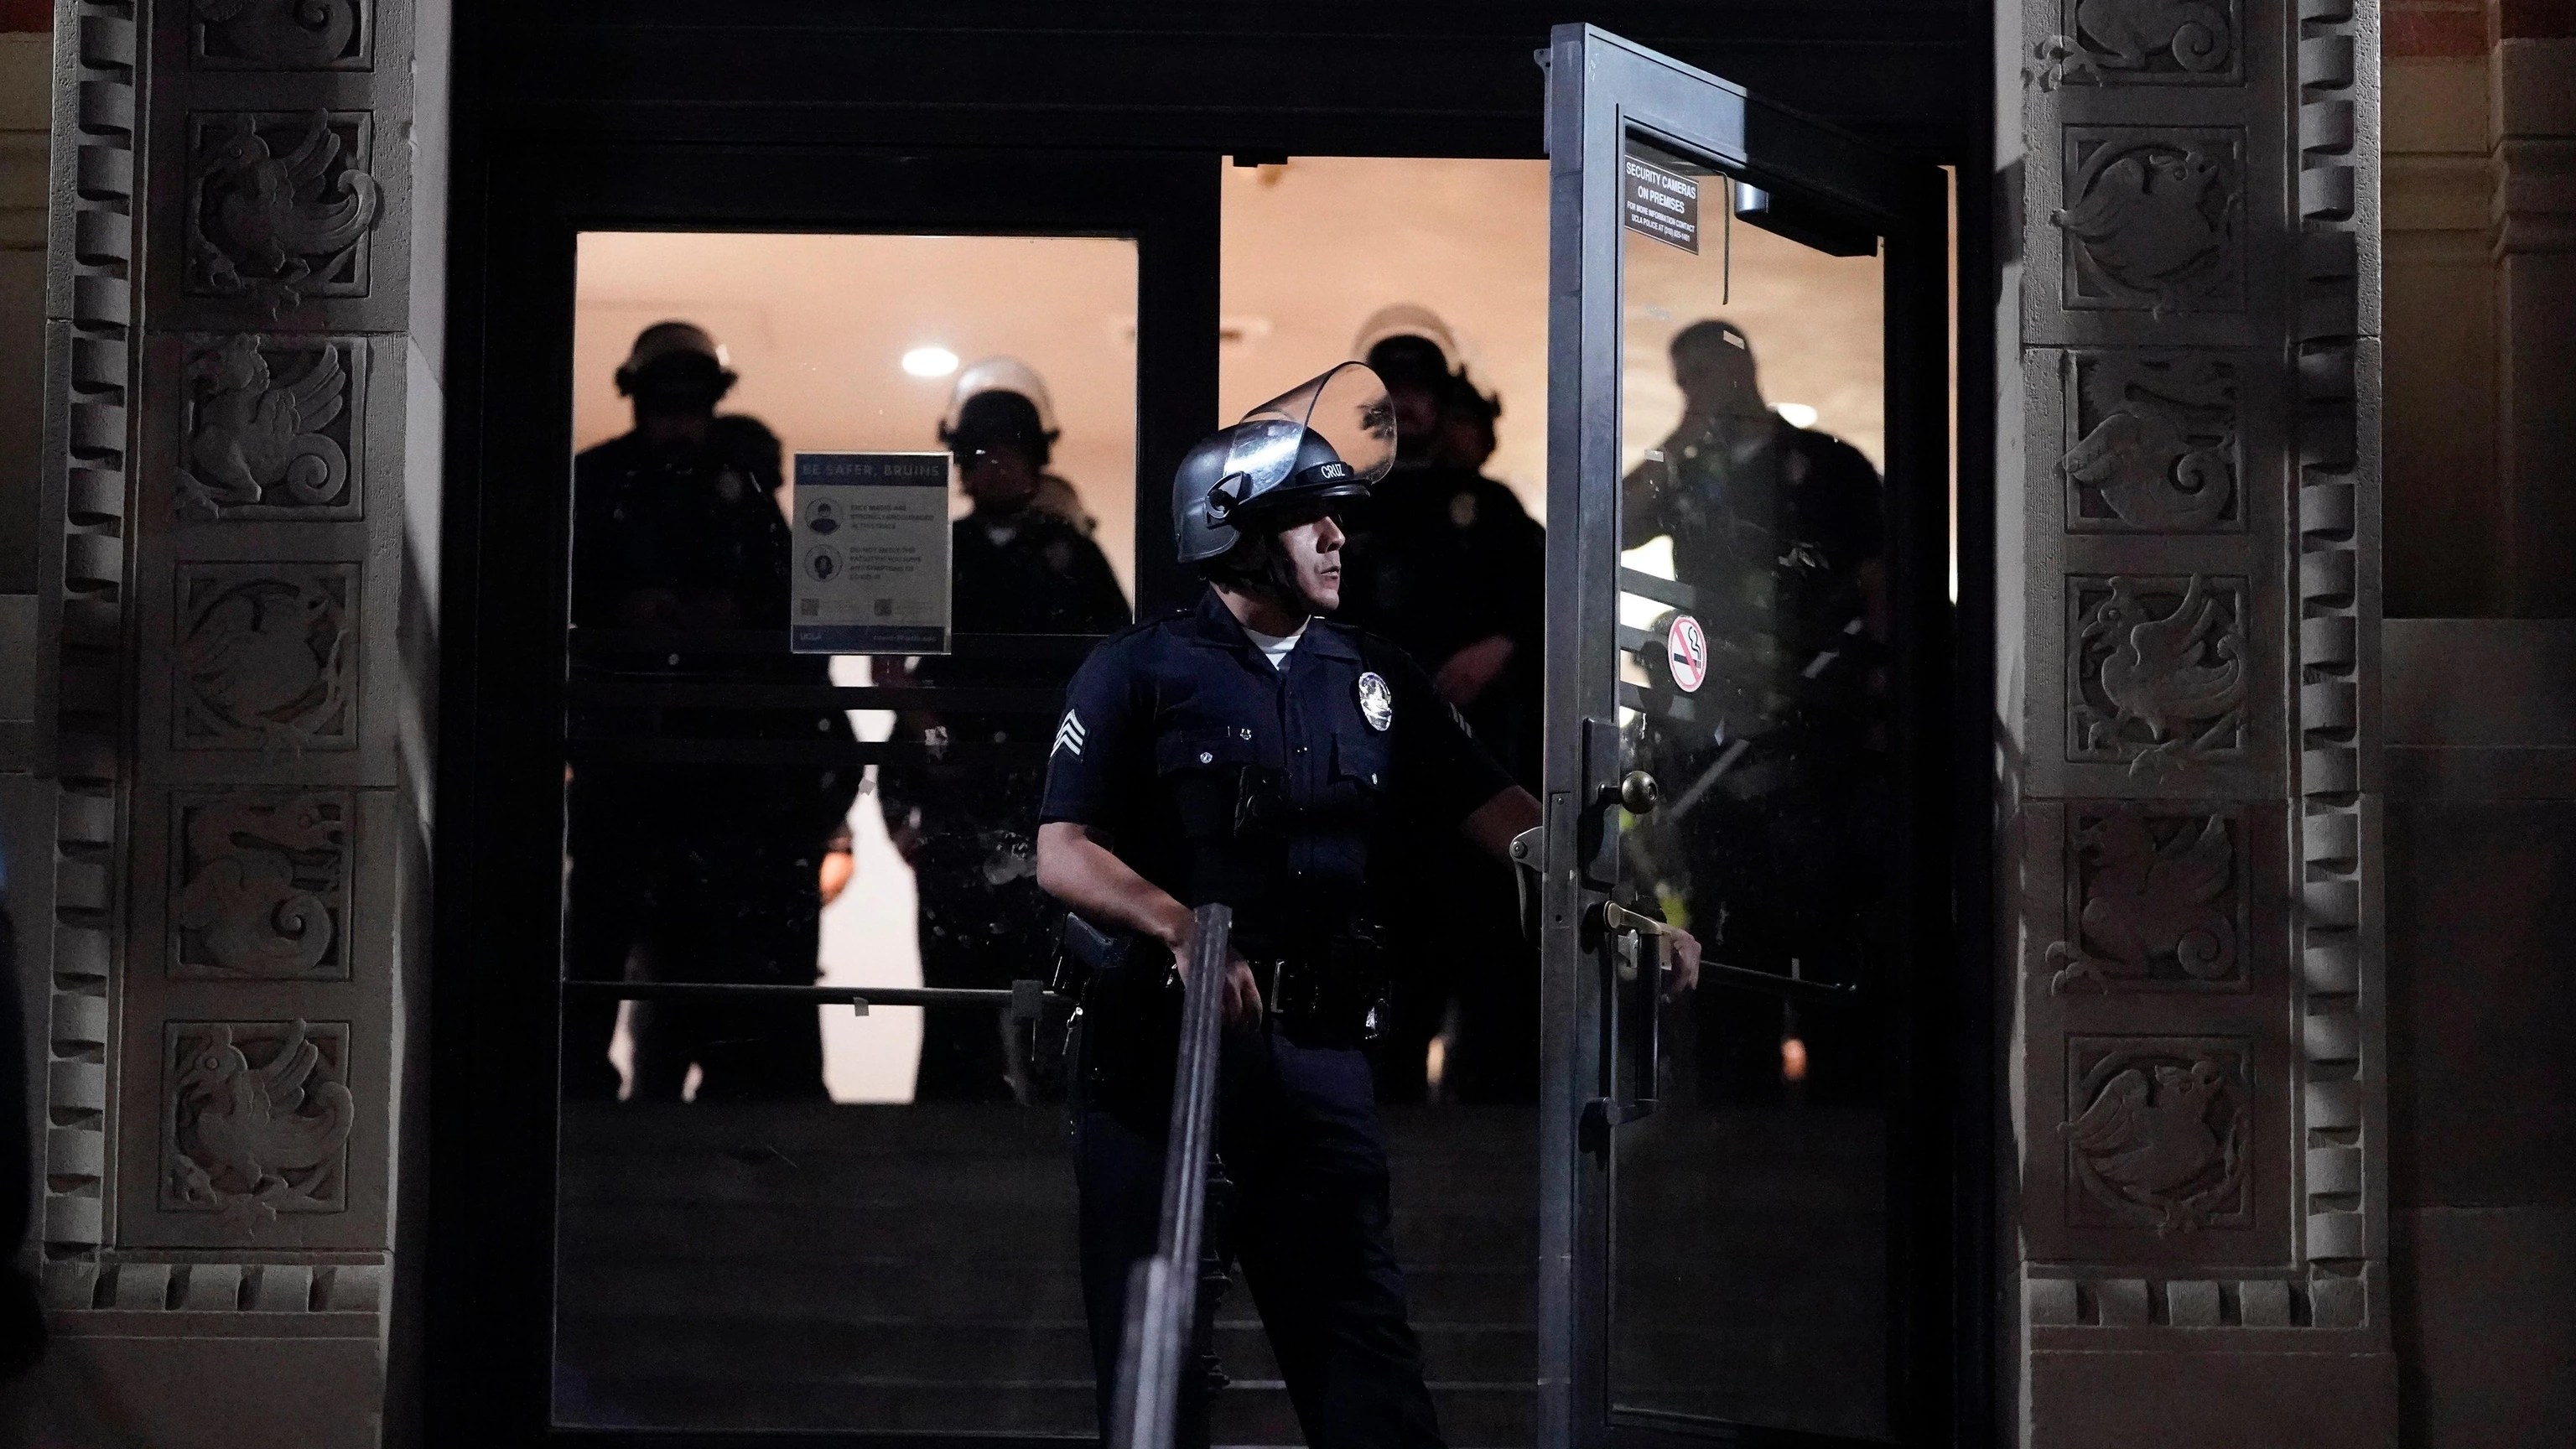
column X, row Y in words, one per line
column 1274, row 587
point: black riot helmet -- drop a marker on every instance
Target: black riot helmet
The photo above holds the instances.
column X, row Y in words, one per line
column 999, row 419
column 675, row 367
column 1325, row 440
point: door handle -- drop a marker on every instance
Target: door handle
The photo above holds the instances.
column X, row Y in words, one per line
column 1529, row 877
column 1636, row 995
column 1638, row 792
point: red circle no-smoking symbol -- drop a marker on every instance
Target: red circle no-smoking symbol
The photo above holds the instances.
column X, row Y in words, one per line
column 1686, row 650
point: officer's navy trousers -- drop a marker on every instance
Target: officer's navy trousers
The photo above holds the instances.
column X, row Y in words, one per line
column 1308, row 1222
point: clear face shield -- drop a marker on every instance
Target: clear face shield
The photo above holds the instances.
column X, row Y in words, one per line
column 1346, row 407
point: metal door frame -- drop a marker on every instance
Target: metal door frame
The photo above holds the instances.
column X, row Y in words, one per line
column 1600, row 87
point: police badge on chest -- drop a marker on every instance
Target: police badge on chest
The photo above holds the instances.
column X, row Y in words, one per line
column 1377, row 702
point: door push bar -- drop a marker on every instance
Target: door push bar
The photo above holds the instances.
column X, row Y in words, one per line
column 1638, row 996
column 1610, row 916
column 1025, row 1001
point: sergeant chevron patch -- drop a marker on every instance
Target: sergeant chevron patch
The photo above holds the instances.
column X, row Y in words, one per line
column 1069, row 735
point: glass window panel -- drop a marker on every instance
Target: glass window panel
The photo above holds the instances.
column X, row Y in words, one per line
column 1749, row 1273
column 778, row 1215
column 1316, row 247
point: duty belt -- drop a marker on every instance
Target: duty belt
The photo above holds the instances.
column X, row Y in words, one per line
column 1333, row 996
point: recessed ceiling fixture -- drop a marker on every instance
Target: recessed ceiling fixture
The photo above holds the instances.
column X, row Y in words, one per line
column 1796, row 415
column 930, row 362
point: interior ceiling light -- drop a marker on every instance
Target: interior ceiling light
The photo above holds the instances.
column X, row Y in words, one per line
column 930, row 362
column 1796, row 415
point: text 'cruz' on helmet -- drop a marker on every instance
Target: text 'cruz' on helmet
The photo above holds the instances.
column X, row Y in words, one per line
column 1327, row 438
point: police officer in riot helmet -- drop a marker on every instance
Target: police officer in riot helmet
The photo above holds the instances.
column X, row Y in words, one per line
column 695, row 871
column 1251, row 752
column 1778, row 787
column 1007, row 383
column 1446, row 562
column 963, row 818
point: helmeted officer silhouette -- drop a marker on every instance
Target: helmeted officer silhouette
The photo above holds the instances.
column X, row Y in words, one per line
column 1776, row 790
column 1444, row 561
column 696, row 872
column 1056, row 494
column 965, row 818
column 1250, row 752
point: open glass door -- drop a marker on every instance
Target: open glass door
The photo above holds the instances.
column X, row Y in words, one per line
column 1743, row 1219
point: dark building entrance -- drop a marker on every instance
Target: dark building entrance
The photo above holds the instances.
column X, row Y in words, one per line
column 1739, row 1217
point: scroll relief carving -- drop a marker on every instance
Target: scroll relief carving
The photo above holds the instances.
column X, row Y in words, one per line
column 2151, row 219
column 2154, row 445
column 280, row 35
column 270, row 427
column 2131, row 42
column 279, row 206
column 2157, row 901
column 263, row 889
column 2156, row 671
column 2159, row 1132
column 255, row 1120
column 265, row 657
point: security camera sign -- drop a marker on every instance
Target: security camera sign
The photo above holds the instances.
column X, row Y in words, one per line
column 871, row 554
column 1659, row 203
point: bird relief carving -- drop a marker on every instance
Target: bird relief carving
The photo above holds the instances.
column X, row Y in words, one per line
column 2157, row 673
column 265, row 888
column 254, row 440
column 279, row 34
column 256, row 1120
column 2134, row 40
column 2151, row 223
column 264, row 656
column 2156, row 443
column 2156, row 899
column 2159, row 1139
column 274, row 227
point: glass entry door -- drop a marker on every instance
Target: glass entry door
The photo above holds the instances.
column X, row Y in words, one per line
column 1747, row 372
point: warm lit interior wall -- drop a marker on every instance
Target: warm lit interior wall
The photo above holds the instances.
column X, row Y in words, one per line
column 818, row 327
column 1816, row 323
column 1313, row 247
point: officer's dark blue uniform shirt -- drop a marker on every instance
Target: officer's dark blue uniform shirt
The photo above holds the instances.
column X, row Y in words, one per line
column 1220, row 777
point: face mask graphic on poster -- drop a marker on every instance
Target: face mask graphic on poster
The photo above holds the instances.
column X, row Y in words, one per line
column 871, row 554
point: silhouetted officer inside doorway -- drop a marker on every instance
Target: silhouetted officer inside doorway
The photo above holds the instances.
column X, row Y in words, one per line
column 695, row 871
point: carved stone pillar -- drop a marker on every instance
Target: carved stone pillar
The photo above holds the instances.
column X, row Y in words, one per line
column 240, row 466
column 2190, row 727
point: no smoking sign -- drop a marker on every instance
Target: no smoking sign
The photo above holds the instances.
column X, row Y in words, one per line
column 1686, row 651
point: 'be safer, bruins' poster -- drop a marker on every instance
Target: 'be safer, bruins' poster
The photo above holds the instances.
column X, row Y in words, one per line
column 871, row 554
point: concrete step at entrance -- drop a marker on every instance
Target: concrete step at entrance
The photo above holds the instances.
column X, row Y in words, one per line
column 815, row 1350
column 923, row 1289
column 1253, row 1413
column 1258, row 1412
column 1451, row 1352
column 913, row 1270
